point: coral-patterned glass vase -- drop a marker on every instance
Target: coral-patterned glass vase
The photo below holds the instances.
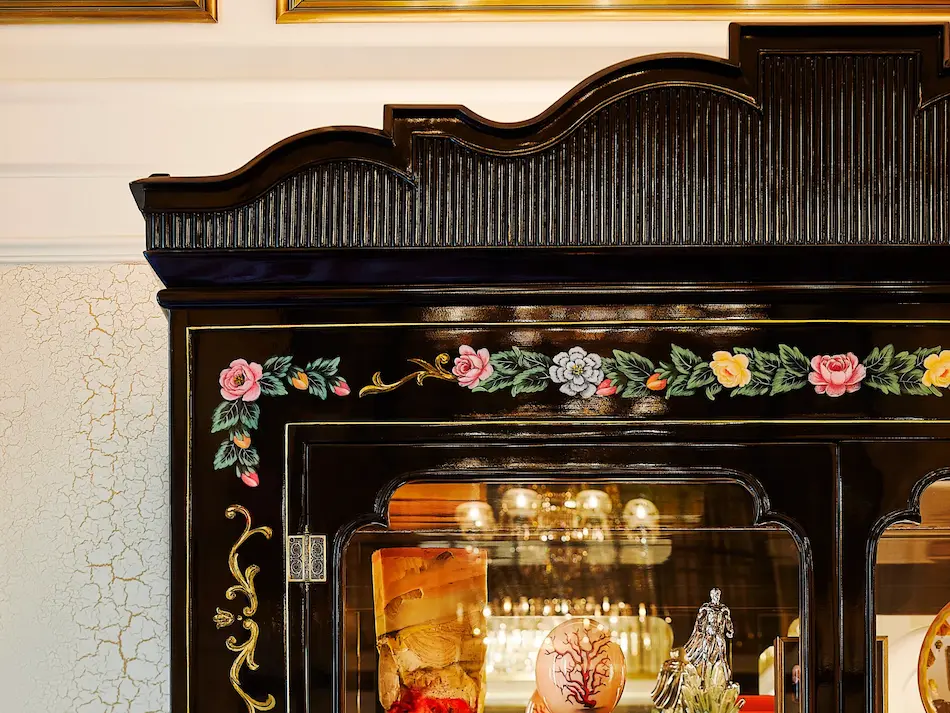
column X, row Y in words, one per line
column 580, row 669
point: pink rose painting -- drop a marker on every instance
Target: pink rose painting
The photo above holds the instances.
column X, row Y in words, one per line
column 472, row 366
column 241, row 381
column 836, row 374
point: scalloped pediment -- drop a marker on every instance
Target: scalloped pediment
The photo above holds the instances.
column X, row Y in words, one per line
column 816, row 135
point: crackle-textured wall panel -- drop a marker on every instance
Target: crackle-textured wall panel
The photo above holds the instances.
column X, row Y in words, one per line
column 83, row 447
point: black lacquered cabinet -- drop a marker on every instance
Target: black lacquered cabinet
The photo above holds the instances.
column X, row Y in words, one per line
column 440, row 388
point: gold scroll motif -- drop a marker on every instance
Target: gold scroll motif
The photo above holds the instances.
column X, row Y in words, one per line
column 427, row 370
column 224, row 618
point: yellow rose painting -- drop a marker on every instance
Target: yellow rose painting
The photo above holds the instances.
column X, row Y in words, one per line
column 731, row 370
column 937, row 370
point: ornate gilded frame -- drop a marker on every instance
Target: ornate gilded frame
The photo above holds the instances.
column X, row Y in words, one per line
column 940, row 623
column 289, row 11
column 55, row 11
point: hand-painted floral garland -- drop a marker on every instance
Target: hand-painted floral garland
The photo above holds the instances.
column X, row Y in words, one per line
column 242, row 383
column 741, row 372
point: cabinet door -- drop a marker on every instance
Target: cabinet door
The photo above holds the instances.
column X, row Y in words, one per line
column 453, row 553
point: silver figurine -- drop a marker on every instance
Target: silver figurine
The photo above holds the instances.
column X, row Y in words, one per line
column 704, row 655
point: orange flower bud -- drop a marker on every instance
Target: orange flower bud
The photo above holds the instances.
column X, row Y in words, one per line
column 655, row 383
column 300, row 381
column 242, row 440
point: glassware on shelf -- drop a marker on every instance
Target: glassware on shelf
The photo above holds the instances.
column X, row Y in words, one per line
column 520, row 503
column 475, row 516
column 642, row 518
column 516, row 628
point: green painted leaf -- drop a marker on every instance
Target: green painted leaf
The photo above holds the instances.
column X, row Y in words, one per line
column 529, row 360
column 766, row 362
column 536, row 374
column 324, row 367
column 911, row 383
column 317, row 385
column 238, row 432
column 666, row 371
column 317, row 365
column 701, row 376
column 225, row 415
column 612, row 372
column 617, row 378
column 633, row 389
column 904, row 362
column 879, row 360
column 530, row 381
column 678, row 386
column 783, row 381
column 530, row 386
column 278, row 365
column 923, row 353
column 744, row 350
column 226, row 455
column 712, row 390
column 793, row 360
column 634, row 366
column 753, row 388
column 508, row 362
column 249, row 415
column 271, row 385
column 759, row 385
column 683, row 359
column 885, row 382
column 496, row 382
column 248, row 457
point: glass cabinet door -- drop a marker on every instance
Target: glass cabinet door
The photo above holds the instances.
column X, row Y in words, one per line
column 566, row 596
column 912, row 600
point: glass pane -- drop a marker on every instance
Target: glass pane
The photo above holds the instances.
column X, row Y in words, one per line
column 454, row 603
column 912, row 591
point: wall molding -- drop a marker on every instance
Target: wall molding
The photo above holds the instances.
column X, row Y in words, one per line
column 84, row 110
column 78, row 249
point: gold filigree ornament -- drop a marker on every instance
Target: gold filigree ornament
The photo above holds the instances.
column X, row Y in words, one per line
column 223, row 618
column 427, row 370
column 933, row 665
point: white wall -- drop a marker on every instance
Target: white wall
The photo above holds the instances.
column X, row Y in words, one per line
column 83, row 427
column 86, row 109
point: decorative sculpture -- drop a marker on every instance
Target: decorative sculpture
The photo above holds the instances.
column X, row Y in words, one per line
column 579, row 668
column 697, row 677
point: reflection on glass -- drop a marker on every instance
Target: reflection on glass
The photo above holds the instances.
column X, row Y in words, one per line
column 912, row 581
column 637, row 559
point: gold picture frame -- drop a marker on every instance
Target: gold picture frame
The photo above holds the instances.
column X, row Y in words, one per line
column 934, row 639
column 289, row 11
column 65, row 11
column 786, row 651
